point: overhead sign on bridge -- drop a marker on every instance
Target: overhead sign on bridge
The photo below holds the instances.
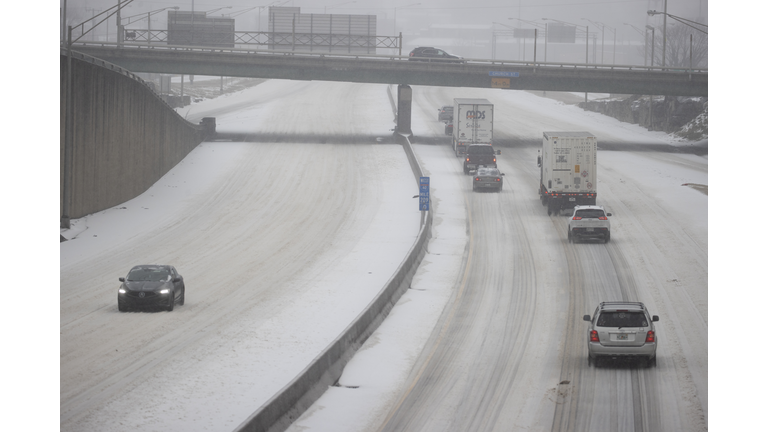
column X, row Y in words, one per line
column 504, row 74
column 198, row 29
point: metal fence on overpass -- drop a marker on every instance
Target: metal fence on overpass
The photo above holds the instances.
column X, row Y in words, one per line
column 396, row 69
column 320, row 41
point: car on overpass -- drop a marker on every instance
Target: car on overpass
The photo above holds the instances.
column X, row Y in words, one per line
column 430, row 53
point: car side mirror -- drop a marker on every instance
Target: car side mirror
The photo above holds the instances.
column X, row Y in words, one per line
column 176, row 279
column 655, row 318
column 538, row 161
column 498, row 152
column 502, row 173
column 609, row 214
column 587, row 318
column 121, row 279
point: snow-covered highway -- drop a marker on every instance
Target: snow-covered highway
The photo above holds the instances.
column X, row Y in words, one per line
column 282, row 244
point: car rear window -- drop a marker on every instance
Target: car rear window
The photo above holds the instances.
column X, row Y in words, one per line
column 480, row 149
column 590, row 213
column 622, row 319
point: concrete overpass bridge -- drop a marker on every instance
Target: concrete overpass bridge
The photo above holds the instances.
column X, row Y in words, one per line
column 396, row 69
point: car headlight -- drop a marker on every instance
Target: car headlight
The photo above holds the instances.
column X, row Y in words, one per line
column 165, row 291
column 121, row 290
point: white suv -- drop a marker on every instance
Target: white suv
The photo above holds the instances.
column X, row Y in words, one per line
column 622, row 330
column 589, row 221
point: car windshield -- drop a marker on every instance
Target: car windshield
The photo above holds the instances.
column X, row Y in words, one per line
column 151, row 274
column 484, row 149
column 590, row 213
column 622, row 319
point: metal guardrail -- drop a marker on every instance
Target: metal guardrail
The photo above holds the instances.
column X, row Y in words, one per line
column 394, row 57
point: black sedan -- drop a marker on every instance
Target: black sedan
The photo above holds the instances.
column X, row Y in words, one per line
column 151, row 286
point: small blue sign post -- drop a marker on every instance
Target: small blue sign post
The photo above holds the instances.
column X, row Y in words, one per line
column 424, row 193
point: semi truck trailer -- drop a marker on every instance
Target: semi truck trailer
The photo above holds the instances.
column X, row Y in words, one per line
column 472, row 123
column 568, row 166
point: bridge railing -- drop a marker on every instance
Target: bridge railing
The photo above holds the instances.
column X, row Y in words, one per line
column 319, row 40
column 394, row 57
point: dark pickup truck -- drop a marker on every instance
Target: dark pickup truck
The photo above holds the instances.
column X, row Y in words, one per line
column 480, row 154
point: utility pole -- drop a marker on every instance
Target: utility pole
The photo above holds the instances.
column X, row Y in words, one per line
column 664, row 47
column 64, row 22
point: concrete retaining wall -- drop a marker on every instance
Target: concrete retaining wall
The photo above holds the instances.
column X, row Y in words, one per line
column 285, row 407
column 125, row 137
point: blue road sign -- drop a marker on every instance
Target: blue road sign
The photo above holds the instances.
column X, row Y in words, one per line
column 424, row 193
column 504, row 74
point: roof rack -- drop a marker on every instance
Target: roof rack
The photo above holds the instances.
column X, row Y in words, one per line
column 630, row 303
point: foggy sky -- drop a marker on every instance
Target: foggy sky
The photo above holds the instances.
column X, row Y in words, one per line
column 412, row 17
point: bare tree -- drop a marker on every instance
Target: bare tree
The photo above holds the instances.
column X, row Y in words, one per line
column 679, row 47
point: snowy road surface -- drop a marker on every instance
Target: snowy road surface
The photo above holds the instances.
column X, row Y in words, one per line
column 268, row 238
column 489, row 337
column 509, row 350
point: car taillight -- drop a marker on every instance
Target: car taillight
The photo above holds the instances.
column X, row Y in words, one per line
column 603, row 218
column 477, row 178
column 593, row 336
column 467, row 158
column 650, row 337
column 577, row 218
column 494, row 160
column 498, row 179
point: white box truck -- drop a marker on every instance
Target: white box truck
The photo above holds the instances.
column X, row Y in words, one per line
column 472, row 123
column 568, row 164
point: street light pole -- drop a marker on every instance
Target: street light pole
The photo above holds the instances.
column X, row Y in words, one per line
column 602, row 27
column 664, row 47
column 676, row 18
column 535, row 37
column 650, row 97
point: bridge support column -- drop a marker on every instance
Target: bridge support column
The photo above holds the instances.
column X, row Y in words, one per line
column 404, row 97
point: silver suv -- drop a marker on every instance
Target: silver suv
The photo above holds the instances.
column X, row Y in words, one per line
column 589, row 221
column 622, row 330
